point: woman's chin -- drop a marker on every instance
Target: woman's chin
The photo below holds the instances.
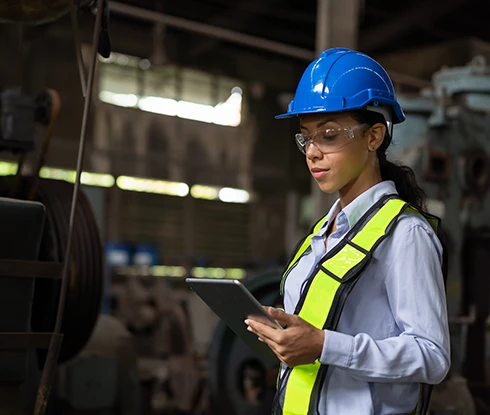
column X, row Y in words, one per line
column 327, row 187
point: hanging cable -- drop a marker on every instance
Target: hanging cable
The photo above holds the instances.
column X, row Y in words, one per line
column 49, row 369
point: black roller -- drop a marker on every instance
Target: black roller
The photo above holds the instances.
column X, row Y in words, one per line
column 240, row 381
column 86, row 277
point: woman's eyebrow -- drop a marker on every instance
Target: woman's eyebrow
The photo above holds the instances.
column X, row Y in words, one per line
column 320, row 124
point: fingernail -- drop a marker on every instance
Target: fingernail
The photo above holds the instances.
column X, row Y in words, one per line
column 249, row 328
column 247, row 321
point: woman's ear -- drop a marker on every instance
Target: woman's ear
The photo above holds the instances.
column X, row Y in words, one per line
column 375, row 136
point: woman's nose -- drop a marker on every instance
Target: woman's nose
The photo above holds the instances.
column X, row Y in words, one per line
column 312, row 151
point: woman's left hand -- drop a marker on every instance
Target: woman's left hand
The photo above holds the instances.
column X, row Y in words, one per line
column 300, row 343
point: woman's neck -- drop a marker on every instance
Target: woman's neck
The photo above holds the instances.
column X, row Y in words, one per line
column 358, row 186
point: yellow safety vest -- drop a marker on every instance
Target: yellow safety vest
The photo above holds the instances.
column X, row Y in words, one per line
column 326, row 291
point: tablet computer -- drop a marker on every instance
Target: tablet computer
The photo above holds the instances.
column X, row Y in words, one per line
column 233, row 303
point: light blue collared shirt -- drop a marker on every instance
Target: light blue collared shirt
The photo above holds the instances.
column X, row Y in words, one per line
column 393, row 332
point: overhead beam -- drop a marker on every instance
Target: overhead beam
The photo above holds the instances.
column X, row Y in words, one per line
column 211, row 31
column 281, row 13
column 240, row 16
column 427, row 26
column 423, row 13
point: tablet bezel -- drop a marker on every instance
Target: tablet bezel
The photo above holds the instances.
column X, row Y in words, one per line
column 231, row 301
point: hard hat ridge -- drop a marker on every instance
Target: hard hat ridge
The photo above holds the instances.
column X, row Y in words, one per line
column 342, row 79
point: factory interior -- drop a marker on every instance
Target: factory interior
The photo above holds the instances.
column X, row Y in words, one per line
column 139, row 147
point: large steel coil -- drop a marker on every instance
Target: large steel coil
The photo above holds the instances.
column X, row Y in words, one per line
column 240, row 381
column 86, row 265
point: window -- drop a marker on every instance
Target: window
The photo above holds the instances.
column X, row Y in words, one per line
column 187, row 93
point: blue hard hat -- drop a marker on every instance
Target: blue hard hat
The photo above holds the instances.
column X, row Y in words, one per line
column 342, row 79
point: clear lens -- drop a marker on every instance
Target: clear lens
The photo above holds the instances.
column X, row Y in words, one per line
column 327, row 141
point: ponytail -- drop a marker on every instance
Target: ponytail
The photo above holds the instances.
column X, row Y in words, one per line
column 403, row 176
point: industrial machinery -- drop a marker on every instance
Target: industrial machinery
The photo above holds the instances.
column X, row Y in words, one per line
column 36, row 299
column 156, row 311
column 51, row 255
column 188, row 360
column 446, row 140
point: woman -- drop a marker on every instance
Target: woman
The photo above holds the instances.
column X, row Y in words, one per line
column 385, row 330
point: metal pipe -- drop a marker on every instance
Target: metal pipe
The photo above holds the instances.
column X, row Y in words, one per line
column 323, row 38
column 212, row 31
column 55, row 344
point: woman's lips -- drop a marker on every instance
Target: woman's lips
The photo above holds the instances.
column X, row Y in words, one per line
column 317, row 173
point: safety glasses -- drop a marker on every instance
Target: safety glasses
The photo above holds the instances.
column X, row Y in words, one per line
column 329, row 140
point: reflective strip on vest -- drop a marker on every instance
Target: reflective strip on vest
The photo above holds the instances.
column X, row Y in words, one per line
column 302, row 249
column 336, row 270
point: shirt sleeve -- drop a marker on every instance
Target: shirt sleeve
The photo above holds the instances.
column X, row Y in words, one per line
column 416, row 294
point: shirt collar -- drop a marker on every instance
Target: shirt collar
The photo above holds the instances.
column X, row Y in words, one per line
column 360, row 205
